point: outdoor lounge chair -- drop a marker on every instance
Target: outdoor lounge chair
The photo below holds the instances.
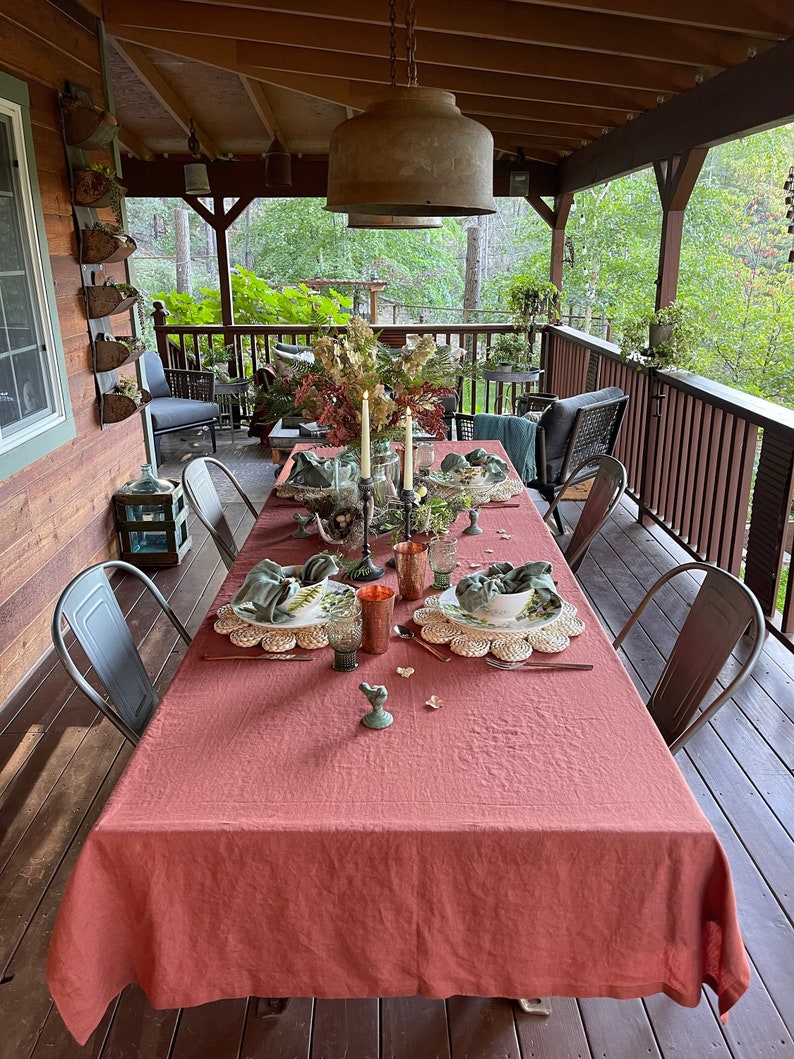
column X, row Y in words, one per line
column 181, row 400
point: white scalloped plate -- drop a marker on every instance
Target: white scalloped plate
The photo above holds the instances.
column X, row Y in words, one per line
column 451, row 609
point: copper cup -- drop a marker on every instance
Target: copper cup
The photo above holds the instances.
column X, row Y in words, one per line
column 411, row 560
column 377, row 610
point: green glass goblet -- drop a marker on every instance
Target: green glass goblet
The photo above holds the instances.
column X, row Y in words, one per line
column 442, row 556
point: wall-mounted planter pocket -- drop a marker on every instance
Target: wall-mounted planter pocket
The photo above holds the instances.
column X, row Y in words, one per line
column 98, row 246
column 110, row 353
column 96, row 189
column 106, row 300
column 116, row 407
column 88, row 128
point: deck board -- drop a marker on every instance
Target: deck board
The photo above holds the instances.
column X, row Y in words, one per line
column 58, row 764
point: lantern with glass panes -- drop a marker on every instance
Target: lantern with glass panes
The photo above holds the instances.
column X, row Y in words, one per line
column 151, row 519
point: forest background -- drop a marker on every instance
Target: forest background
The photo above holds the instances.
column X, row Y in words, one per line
column 736, row 279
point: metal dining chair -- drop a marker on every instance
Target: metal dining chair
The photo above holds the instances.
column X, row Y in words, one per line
column 609, row 481
column 89, row 606
column 722, row 611
column 203, row 498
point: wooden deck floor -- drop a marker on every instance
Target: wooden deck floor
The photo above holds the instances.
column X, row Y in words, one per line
column 58, row 764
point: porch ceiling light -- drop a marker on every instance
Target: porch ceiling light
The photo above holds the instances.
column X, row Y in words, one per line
column 411, row 153
column 388, row 222
column 278, row 165
column 197, row 181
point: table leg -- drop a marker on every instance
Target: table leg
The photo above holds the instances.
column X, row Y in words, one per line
column 270, row 1007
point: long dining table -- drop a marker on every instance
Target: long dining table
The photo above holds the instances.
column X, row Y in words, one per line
column 532, row 836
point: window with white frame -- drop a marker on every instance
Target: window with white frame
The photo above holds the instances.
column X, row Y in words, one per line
column 31, row 393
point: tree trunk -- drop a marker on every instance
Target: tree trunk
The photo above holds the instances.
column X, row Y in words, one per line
column 184, row 277
column 471, row 293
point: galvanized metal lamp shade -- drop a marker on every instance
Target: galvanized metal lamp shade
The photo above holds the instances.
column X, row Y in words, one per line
column 411, row 154
column 388, row 222
column 278, row 165
column 197, row 181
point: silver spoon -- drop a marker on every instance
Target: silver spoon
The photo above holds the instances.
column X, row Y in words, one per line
column 406, row 634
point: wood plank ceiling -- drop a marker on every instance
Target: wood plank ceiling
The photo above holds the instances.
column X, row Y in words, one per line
column 583, row 89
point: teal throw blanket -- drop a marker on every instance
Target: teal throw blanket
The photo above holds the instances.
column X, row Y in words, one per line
column 516, row 434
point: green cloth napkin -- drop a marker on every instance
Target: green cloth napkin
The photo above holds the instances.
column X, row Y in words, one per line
column 479, row 458
column 267, row 586
column 477, row 590
column 317, row 472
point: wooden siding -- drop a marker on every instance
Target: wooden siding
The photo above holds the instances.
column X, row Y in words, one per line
column 55, row 514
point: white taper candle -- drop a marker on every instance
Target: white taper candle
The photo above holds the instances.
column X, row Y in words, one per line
column 408, row 464
column 365, row 467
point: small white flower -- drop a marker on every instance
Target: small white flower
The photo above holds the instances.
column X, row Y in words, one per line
column 405, row 671
column 489, row 551
column 434, row 702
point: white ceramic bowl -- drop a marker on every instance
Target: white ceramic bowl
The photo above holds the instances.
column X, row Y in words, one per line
column 306, row 597
column 506, row 606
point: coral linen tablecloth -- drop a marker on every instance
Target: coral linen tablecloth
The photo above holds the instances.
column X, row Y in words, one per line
column 531, row 837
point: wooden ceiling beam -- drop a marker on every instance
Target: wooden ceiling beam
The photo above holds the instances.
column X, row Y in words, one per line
column 140, row 62
column 542, row 62
column 550, row 131
column 350, row 70
column 758, row 94
column 552, row 24
column 540, row 110
column 476, row 45
column 261, row 104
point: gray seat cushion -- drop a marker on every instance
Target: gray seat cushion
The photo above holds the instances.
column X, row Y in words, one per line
column 286, row 347
column 557, row 423
column 172, row 413
column 155, row 376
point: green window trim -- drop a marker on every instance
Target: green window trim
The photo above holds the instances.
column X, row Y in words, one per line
column 60, row 429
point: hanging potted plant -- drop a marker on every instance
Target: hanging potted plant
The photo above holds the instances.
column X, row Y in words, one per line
column 104, row 243
column 528, row 297
column 659, row 339
column 97, row 186
column 111, row 352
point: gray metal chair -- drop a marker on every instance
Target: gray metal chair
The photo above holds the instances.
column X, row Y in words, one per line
column 723, row 610
column 89, row 606
column 203, row 498
column 609, row 481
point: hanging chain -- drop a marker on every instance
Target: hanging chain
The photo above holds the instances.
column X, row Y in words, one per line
column 410, row 44
column 393, row 43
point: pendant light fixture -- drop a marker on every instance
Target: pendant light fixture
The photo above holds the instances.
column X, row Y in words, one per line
column 382, row 222
column 278, row 165
column 197, row 181
column 411, row 153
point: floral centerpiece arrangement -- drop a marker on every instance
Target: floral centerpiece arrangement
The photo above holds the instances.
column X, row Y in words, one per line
column 348, row 364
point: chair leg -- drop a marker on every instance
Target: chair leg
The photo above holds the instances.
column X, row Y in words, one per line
column 212, row 435
column 157, row 457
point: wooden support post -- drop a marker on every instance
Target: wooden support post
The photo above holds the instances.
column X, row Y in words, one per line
column 220, row 220
column 675, row 179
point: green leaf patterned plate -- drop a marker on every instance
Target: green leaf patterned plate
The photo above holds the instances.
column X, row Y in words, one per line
column 337, row 596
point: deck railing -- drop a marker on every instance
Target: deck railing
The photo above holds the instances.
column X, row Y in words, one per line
column 250, row 345
column 712, row 465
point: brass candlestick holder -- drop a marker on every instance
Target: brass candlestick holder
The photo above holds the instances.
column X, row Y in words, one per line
column 366, row 569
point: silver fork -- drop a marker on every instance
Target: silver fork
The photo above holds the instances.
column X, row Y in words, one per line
column 497, row 663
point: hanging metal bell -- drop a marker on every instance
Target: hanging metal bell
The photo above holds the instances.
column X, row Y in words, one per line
column 197, row 181
column 411, row 154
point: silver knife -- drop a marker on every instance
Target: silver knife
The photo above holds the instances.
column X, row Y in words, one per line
column 259, row 658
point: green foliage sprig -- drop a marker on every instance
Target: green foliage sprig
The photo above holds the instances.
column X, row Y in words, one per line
column 671, row 348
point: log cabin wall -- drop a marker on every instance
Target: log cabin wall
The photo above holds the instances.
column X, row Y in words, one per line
column 55, row 513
